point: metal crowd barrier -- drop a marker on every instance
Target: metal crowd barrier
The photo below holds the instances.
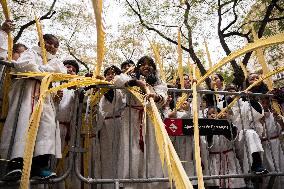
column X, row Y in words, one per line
column 93, row 179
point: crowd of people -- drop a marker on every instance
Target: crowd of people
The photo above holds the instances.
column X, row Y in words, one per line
column 125, row 142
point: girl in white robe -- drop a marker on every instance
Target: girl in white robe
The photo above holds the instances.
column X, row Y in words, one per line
column 222, row 158
column 110, row 107
column 273, row 149
column 144, row 160
column 48, row 136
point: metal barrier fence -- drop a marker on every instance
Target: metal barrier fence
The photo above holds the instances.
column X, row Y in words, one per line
column 96, row 162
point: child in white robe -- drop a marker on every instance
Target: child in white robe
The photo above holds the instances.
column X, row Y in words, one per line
column 272, row 144
column 48, row 136
column 251, row 129
column 138, row 164
column 222, row 158
column 110, row 107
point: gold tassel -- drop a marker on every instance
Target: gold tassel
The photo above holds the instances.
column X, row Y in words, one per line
column 196, row 135
column 244, row 70
column 189, row 65
column 36, row 115
column 157, row 56
column 268, row 75
column 98, row 7
column 7, row 14
column 208, row 55
column 261, row 60
column 8, row 80
column 166, row 150
column 264, row 42
column 41, row 40
column 180, row 69
column 265, row 69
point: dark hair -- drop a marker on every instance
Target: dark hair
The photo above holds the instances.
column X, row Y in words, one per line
column 17, row 46
column 220, row 77
column 213, row 107
column 114, row 68
column 178, row 85
column 126, row 62
column 152, row 78
column 231, row 87
column 144, row 59
column 72, row 63
column 51, row 37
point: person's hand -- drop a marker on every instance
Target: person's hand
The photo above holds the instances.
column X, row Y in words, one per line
column 8, row 26
column 155, row 96
column 141, row 84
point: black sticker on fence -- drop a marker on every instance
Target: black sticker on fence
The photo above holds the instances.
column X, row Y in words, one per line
column 177, row 127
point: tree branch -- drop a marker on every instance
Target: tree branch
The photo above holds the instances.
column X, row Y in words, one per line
column 167, row 26
column 279, row 8
column 47, row 15
column 235, row 17
column 76, row 58
column 266, row 18
column 246, row 35
column 142, row 22
column 274, row 19
column 238, row 73
column 263, row 24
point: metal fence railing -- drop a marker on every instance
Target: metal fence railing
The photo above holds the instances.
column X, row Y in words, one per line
column 104, row 138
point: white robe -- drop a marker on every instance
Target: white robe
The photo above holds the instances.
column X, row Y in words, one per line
column 250, row 130
column 3, row 44
column 48, row 136
column 110, row 128
column 141, row 166
column 273, row 131
column 223, row 162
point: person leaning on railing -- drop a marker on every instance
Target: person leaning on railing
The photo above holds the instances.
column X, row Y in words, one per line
column 13, row 138
column 221, row 155
column 273, row 156
column 251, row 128
column 5, row 28
column 146, row 76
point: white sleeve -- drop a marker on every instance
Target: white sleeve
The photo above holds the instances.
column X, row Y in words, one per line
column 121, row 80
column 27, row 62
column 54, row 65
column 3, row 41
column 161, row 90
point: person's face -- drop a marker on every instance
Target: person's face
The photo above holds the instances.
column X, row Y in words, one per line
column 126, row 67
column 16, row 55
column 187, row 82
column 169, row 99
column 212, row 113
column 252, row 78
column 146, row 68
column 51, row 46
column 218, row 81
column 204, row 103
column 70, row 69
column 110, row 75
column 232, row 91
